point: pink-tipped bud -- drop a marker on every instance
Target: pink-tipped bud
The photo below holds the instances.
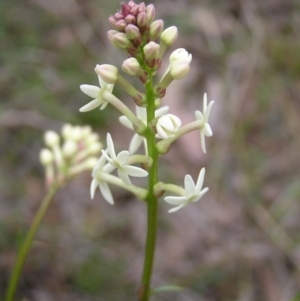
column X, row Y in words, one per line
column 130, row 19
column 131, row 66
column 150, row 11
column 120, row 25
column 120, row 40
column 132, row 32
column 141, row 7
column 112, row 21
column 156, row 29
column 151, row 51
column 142, row 21
column 110, row 35
column 169, row 35
column 108, row 73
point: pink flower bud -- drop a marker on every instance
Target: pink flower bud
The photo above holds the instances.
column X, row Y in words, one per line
column 120, row 40
column 120, row 25
column 108, row 73
column 112, row 21
column 132, row 32
column 110, row 35
column 169, row 35
column 150, row 11
column 142, row 21
column 151, row 51
column 130, row 19
column 156, row 28
column 131, row 66
column 141, row 7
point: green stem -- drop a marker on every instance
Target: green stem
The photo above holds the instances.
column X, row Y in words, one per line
column 28, row 242
column 144, row 292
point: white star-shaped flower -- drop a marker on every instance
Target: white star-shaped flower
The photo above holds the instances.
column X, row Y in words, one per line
column 141, row 113
column 206, row 129
column 119, row 161
column 191, row 193
column 101, row 167
column 96, row 93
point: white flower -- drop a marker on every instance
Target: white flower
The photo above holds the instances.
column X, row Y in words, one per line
column 167, row 126
column 180, row 61
column 119, row 161
column 191, row 193
column 206, row 129
column 141, row 113
column 101, row 167
column 96, row 93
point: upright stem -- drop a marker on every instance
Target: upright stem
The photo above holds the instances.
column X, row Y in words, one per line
column 14, row 279
column 144, row 292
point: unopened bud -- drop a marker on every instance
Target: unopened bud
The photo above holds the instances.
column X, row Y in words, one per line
column 112, row 21
column 156, row 28
column 108, row 73
column 120, row 25
column 110, row 35
column 180, row 61
column 131, row 66
column 46, row 157
column 51, row 139
column 95, row 148
column 167, row 126
column 169, row 35
column 151, row 51
column 150, row 11
column 69, row 149
column 130, row 19
column 66, row 130
column 142, row 21
column 141, row 7
column 132, row 32
column 120, row 40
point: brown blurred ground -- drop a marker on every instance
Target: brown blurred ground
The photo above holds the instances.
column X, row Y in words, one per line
column 241, row 242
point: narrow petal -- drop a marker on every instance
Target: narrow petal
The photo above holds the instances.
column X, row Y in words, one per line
column 91, row 105
column 124, row 176
column 122, row 157
column 93, row 188
column 141, row 113
column 102, row 83
column 161, row 111
column 200, row 180
column 176, row 208
column 207, row 130
column 199, row 115
column 126, row 122
column 207, row 112
column 99, row 165
column 202, row 138
column 135, row 171
column 108, row 168
column 110, row 88
column 189, row 186
column 107, row 157
column 92, row 91
column 135, row 143
column 175, row 200
column 161, row 132
column 110, row 146
column 204, row 102
column 103, row 105
column 106, row 193
column 201, row 194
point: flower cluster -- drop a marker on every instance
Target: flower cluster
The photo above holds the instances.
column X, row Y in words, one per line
column 70, row 153
column 145, row 41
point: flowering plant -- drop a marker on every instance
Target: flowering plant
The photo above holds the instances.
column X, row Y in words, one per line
column 145, row 41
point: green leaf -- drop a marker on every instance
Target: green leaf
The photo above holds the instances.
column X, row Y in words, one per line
column 296, row 298
column 166, row 288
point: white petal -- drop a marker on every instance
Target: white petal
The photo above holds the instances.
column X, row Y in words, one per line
column 199, row 115
column 161, row 111
column 93, row 188
column 135, row 143
column 107, row 157
column 102, row 83
column 108, row 168
column 135, row 171
column 202, row 138
column 201, row 194
column 175, row 200
column 110, row 87
column 189, row 186
column 204, row 102
column 176, row 208
column 122, row 157
column 126, row 122
column 200, row 180
column 99, row 165
column 141, row 113
column 207, row 112
column 92, row 91
column 110, row 146
column 207, row 130
column 161, row 132
column 103, row 105
column 124, row 176
column 106, row 193
column 91, row 105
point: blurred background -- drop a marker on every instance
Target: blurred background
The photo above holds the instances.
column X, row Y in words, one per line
column 241, row 242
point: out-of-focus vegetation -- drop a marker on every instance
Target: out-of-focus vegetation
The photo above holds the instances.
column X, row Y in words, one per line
column 241, row 242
